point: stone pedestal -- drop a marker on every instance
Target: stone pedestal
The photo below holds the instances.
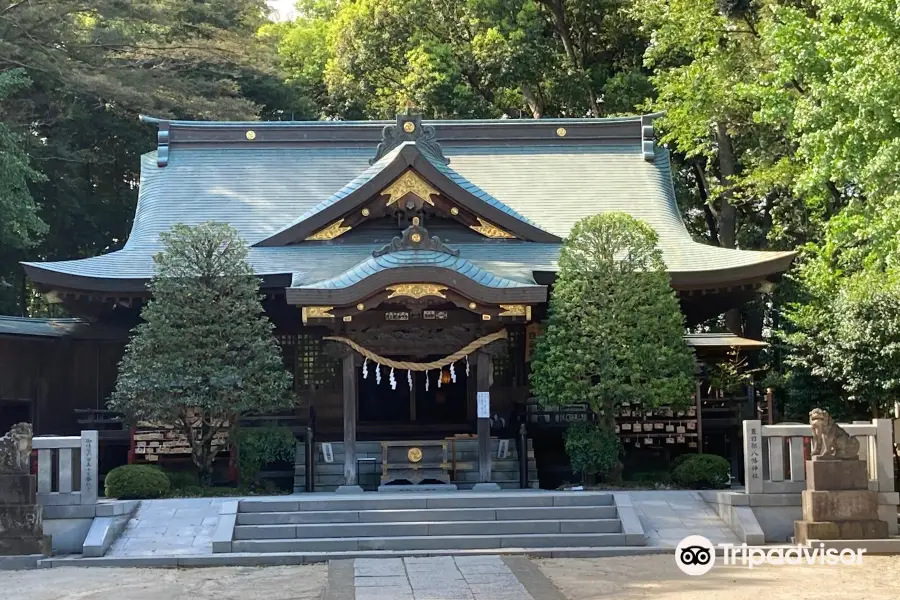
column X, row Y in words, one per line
column 21, row 526
column 837, row 504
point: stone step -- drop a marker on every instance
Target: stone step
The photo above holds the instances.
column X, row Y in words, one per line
column 436, row 542
column 427, row 501
column 424, row 528
column 434, row 514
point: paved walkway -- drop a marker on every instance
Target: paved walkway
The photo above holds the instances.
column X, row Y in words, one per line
column 668, row 516
column 171, row 527
column 439, row 578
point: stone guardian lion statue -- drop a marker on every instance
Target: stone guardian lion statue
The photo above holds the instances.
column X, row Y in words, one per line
column 829, row 440
column 15, row 450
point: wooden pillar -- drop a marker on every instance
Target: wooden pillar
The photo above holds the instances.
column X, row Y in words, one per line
column 483, row 375
column 699, row 401
column 350, row 394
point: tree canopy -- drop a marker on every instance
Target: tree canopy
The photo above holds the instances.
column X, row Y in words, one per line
column 780, row 116
column 204, row 354
column 615, row 334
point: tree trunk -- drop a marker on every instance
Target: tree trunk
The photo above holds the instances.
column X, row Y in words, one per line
column 534, row 104
column 727, row 214
column 558, row 10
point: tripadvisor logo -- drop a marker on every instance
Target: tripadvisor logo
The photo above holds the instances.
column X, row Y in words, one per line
column 695, row 555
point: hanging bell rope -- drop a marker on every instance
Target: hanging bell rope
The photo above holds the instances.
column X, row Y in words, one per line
column 417, row 366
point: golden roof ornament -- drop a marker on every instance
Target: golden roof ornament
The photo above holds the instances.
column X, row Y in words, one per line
column 406, row 183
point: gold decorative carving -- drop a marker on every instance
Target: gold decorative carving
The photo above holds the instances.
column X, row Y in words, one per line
column 409, row 127
column 485, row 317
column 516, row 310
column 416, row 238
column 365, row 212
column 316, row 312
column 416, row 290
column 472, row 306
column 348, row 318
column 330, row 232
column 251, row 135
column 414, row 454
column 360, row 306
column 491, row 231
column 406, row 183
column 561, row 132
column 454, row 211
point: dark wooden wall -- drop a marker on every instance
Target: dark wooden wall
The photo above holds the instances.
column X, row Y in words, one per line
column 55, row 376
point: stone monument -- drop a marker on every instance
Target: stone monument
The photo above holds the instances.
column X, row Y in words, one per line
column 837, row 503
column 21, row 528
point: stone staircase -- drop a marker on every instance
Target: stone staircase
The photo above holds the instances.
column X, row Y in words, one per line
column 504, row 472
column 455, row 521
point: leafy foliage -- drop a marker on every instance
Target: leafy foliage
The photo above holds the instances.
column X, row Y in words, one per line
column 592, row 449
column 615, row 331
column 136, row 482
column 205, row 353
column 702, row 471
column 262, row 445
column 472, row 58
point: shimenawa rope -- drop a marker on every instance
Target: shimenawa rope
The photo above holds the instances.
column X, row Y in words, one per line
column 417, row 366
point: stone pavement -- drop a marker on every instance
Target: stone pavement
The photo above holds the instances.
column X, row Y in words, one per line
column 439, row 578
column 668, row 516
column 170, row 527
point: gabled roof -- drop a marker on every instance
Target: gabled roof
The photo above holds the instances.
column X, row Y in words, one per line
column 413, row 266
column 540, row 176
column 407, row 155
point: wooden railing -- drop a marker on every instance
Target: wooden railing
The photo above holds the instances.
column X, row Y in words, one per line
column 775, row 455
column 67, row 468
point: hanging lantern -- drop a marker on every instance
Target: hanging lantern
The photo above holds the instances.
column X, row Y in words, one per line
column 445, row 377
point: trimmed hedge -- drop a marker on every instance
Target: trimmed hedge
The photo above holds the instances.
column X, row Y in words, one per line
column 703, row 471
column 136, row 482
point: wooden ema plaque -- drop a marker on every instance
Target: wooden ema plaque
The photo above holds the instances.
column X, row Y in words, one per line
column 154, row 442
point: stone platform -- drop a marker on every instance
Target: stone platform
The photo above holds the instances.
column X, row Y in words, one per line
column 837, row 504
column 21, row 529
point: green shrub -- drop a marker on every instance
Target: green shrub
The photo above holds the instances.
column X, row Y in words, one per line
column 593, row 450
column 182, row 479
column 703, row 471
column 260, row 446
column 679, row 460
column 136, row 482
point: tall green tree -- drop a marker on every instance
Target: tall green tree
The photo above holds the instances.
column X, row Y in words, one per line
column 615, row 333
column 204, row 354
column 20, row 225
column 467, row 59
column 94, row 67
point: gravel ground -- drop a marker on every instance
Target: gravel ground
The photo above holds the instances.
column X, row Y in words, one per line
column 657, row 577
column 219, row 583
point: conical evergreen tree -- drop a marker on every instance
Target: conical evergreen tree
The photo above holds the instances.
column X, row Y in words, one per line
column 205, row 353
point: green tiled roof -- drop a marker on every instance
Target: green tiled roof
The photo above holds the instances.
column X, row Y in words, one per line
column 415, row 258
column 262, row 189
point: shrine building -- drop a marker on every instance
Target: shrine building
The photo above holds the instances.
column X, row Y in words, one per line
column 406, row 266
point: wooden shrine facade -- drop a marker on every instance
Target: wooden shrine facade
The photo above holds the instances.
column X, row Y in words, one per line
column 383, row 248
